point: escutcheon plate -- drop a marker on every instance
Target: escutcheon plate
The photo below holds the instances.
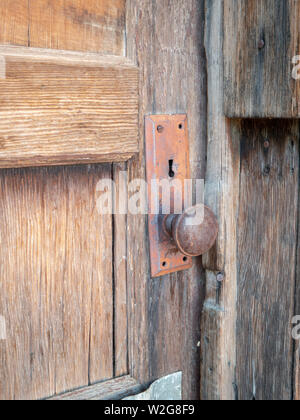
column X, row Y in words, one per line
column 167, row 158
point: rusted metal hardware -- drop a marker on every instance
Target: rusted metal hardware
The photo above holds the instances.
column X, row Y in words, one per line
column 193, row 237
column 174, row 238
column 167, row 158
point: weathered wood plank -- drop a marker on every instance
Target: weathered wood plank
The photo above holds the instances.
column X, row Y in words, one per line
column 78, row 25
column 56, row 281
column 120, row 270
column 116, row 389
column 296, row 373
column 238, row 364
column 14, row 18
column 138, row 270
column 261, row 38
column 218, row 325
column 166, row 39
column 93, row 26
column 64, row 306
column 66, row 108
column 266, row 252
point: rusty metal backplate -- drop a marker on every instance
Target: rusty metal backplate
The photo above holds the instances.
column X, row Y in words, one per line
column 167, row 158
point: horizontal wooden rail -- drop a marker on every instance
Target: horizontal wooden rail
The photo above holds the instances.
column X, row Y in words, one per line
column 115, row 389
column 59, row 107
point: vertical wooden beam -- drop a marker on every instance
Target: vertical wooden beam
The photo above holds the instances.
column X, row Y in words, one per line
column 267, row 243
column 138, row 273
column 166, row 39
column 218, row 349
column 296, row 372
column 63, row 264
column 120, row 272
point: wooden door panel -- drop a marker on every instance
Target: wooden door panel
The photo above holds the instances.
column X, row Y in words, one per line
column 63, row 277
column 166, row 40
column 14, row 17
column 56, row 281
column 78, row 25
column 63, row 107
column 121, row 305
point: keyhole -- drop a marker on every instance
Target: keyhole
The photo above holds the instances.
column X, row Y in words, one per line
column 171, row 172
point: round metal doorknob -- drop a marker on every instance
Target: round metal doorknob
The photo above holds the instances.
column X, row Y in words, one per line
column 194, row 232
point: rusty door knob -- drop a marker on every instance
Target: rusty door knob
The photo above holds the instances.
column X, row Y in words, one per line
column 194, row 232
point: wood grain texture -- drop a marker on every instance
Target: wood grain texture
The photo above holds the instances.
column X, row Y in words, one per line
column 267, row 250
column 258, row 79
column 14, row 18
column 66, row 108
column 78, row 25
column 166, row 40
column 115, row 389
column 56, row 287
column 57, row 295
column 296, row 372
column 218, row 324
column 120, row 271
column 93, row 26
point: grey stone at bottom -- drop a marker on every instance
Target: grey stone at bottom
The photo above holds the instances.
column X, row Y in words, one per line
column 168, row 388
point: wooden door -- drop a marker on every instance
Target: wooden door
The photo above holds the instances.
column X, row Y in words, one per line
column 59, row 297
column 78, row 308
column 80, row 315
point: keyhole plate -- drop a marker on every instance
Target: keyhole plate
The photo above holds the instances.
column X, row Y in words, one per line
column 167, row 161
